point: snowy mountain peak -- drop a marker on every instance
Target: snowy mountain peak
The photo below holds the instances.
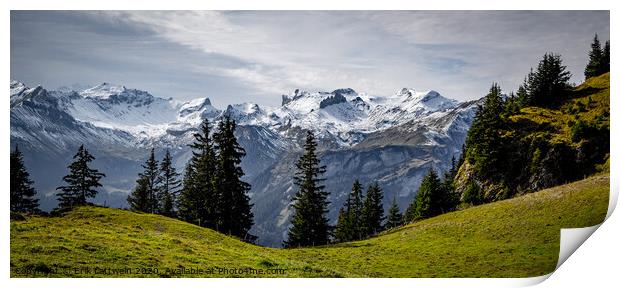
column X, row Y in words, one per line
column 345, row 91
column 17, row 87
column 103, row 90
column 337, row 98
column 342, row 116
column 405, row 92
column 196, row 104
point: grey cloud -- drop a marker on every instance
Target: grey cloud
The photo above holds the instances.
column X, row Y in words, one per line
column 239, row 56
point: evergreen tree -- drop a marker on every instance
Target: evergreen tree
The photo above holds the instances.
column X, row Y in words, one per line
column 410, row 212
column 169, row 185
column 484, row 140
column 372, row 212
column 199, row 200
column 472, row 194
column 22, row 193
column 394, row 218
column 429, row 199
column 139, row 199
column 448, row 198
column 523, row 92
column 596, row 63
column 81, row 181
column 356, row 207
column 343, row 231
column 549, row 82
column 606, row 64
column 309, row 223
column 144, row 197
column 351, row 226
column 512, row 105
column 236, row 217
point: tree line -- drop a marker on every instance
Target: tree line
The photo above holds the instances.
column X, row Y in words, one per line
column 210, row 195
column 519, row 159
column 362, row 215
column 484, row 145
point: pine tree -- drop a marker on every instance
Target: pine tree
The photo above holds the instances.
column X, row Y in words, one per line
column 342, row 232
column 596, row 64
column 236, row 217
column 448, row 198
column 549, row 82
column 484, row 140
column 605, row 65
column 138, row 199
column 22, row 193
column 356, row 207
column 523, row 92
column 309, row 223
column 144, row 197
column 394, row 218
column 81, row 181
column 372, row 212
column 429, row 198
column 169, row 185
column 351, row 226
column 199, row 201
column 472, row 194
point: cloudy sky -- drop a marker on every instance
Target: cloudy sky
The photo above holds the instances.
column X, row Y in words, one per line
column 245, row 56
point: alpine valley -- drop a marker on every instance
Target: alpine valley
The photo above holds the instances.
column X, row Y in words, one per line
column 393, row 140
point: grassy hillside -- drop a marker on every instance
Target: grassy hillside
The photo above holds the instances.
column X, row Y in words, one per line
column 542, row 147
column 589, row 103
column 512, row 238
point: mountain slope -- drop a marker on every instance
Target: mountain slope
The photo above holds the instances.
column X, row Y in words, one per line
column 545, row 146
column 389, row 139
column 512, row 238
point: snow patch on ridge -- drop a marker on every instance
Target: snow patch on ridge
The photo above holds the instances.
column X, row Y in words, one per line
column 343, row 115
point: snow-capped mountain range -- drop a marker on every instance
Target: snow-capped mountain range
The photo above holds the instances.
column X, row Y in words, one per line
column 397, row 137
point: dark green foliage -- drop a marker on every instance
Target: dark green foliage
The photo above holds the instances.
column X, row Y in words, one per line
column 15, row 216
column 22, row 193
column 450, row 199
column 526, row 148
column 512, row 105
column 213, row 193
column 429, row 199
column 169, row 186
column 350, row 222
column 199, row 200
column 394, row 218
column 523, row 92
column 355, row 208
column 483, row 139
column 144, row 197
column 472, row 194
column 434, row 197
column 81, row 181
column 359, row 218
column 235, row 215
column 342, row 232
column 372, row 212
column 139, row 199
column 606, row 63
column 579, row 131
column 549, row 83
column 598, row 63
column 309, row 223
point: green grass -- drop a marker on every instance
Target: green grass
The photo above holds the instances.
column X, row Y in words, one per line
column 519, row 237
column 588, row 102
